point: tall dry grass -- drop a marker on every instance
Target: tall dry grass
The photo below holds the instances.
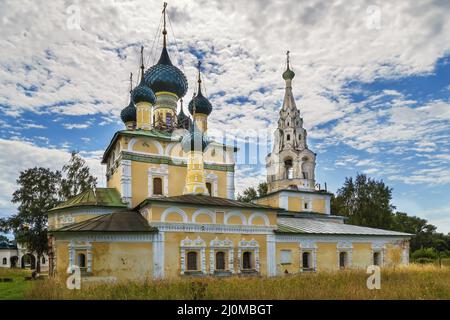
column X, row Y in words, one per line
column 412, row 282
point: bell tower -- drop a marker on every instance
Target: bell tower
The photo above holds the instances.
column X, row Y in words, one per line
column 291, row 164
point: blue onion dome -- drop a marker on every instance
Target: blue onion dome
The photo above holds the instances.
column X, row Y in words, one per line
column 194, row 140
column 128, row 113
column 143, row 93
column 202, row 105
column 164, row 76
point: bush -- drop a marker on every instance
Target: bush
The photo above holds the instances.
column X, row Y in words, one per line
column 426, row 253
column 424, row 260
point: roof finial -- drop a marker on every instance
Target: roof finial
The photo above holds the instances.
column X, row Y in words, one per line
column 142, row 63
column 287, row 59
column 193, row 109
column 199, row 65
column 164, row 28
column 131, row 82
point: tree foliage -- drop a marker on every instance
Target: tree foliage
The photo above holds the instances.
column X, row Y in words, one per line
column 77, row 177
column 250, row 194
column 37, row 193
column 365, row 201
column 39, row 190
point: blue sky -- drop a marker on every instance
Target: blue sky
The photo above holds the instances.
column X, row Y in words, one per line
column 372, row 84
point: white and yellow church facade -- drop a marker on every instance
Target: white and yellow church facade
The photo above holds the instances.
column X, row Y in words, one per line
column 169, row 210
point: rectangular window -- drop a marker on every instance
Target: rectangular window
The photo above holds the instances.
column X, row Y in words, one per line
column 286, row 256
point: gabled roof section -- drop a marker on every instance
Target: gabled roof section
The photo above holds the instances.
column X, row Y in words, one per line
column 208, row 201
column 314, row 226
column 99, row 197
column 123, row 221
column 160, row 135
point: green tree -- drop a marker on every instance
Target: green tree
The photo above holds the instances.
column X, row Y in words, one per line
column 4, row 239
column 37, row 193
column 250, row 194
column 77, row 177
column 365, row 201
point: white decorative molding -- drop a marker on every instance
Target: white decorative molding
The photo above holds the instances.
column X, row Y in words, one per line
column 80, row 245
column 311, row 247
column 261, row 215
column 251, row 245
column 221, row 245
column 211, row 228
column 209, row 213
column 230, row 185
column 213, row 179
column 156, row 143
column 283, row 201
column 345, row 246
column 125, row 181
column 271, row 256
column 174, row 209
column 189, row 245
column 160, row 172
column 158, row 256
column 230, row 214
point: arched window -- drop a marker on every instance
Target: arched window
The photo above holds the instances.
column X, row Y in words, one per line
column 168, row 120
column 306, row 260
column 5, row 261
column 306, row 168
column 247, row 260
column 81, row 260
column 157, row 186
column 376, row 258
column 192, row 261
column 209, row 187
column 342, row 260
column 289, row 170
column 43, row 260
column 220, row 260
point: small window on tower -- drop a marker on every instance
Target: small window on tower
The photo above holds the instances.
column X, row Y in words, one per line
column 288, row 137
column 157, row 186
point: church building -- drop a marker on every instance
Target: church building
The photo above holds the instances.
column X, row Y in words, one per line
column 169, row 208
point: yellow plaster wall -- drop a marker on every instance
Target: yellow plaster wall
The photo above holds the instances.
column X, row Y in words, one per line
column 393, row 255
column 114, row 180
column 327, row 257
column 271, row 201
column 62, row 254
column 361, row 255
column 126, row 261
column 294, row 204
column 294, row 266
column 319, row 205
column 145, row 145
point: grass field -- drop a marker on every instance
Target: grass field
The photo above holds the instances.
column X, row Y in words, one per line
column 413, row 282
column 14, row 290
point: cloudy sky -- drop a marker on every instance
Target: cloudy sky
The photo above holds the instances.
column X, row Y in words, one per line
column 372, row 83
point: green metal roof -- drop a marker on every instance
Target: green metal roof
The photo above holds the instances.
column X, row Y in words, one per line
column 124, row 221
column 99, row 197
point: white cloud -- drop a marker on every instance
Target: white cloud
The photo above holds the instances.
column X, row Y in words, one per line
column 24, row 155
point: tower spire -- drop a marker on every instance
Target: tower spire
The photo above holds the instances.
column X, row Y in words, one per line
column 164, row 27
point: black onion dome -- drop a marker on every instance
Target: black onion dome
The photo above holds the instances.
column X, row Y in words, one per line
column 128, row 113
column 202, row 105
column 164, row 76
column 194, row 140
column 183, row 120
column 143, row 93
